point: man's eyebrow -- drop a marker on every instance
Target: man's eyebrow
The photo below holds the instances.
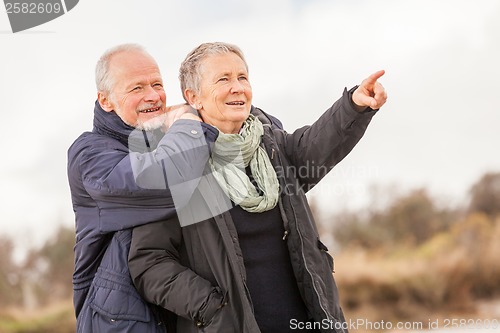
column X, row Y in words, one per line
column 221, row 74
column 143, row 82
column 134, row 84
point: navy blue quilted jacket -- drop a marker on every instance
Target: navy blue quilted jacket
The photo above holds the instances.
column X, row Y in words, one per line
column 117, row 176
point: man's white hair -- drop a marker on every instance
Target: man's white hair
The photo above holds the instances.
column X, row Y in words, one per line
column 103, row 78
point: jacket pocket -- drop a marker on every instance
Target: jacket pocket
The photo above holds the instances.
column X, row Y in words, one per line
column 216, row 301
column 113, row 297
column 329, row 258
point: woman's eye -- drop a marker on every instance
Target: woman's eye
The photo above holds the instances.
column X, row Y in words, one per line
column 244, row 78
column 136, row 88
column 222, row 79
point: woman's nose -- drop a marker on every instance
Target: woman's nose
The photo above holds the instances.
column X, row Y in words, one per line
column 237, row 87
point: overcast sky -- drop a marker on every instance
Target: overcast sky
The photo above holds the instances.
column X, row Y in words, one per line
column 439, row 128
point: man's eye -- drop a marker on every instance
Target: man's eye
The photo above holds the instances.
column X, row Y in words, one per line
column 222, row 79
column 244, row 78
column 136, row 88
column 158, row 85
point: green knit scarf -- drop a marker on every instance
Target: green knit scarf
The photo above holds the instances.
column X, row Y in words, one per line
column 231, row 154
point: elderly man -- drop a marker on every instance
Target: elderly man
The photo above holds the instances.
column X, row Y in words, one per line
column 117, row 176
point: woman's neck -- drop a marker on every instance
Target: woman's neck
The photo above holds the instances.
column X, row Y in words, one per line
column 229, row 127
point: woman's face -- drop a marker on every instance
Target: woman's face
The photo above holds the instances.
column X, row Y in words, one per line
column 225, row 95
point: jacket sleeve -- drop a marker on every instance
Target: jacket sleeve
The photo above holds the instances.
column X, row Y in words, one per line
column 158, row 275
column 314, row 150
column 123, row 181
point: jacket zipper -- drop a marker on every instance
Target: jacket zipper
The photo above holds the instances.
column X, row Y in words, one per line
column 307, row 268
column 286, row 225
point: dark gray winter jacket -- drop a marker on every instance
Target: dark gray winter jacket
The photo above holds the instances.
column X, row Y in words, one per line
column 197, row 270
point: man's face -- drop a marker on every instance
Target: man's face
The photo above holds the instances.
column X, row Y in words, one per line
column 137, row 94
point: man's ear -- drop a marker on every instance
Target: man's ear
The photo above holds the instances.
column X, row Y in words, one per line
column 105, row 102
column 192, row 98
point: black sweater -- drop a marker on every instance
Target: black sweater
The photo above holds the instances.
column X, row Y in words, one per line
column 270, row 279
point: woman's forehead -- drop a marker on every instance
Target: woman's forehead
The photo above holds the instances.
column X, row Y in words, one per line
column 223, row 63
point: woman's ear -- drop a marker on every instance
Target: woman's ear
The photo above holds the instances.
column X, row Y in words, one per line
column 105, row 102
column 192, row 99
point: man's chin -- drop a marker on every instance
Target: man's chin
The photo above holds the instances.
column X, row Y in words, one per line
column 151, row 124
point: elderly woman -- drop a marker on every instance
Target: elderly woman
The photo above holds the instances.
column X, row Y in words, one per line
column 257, row 264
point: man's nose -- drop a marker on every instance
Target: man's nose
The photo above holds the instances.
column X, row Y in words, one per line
column 152, row 94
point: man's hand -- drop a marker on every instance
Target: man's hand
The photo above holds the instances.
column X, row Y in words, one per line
column 180, row 111
column 370, row 93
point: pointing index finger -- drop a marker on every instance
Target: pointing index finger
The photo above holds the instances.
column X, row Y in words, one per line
column 375, row 76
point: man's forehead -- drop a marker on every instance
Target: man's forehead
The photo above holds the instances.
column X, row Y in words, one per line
column 143, row 72
column 127, row 55
column 134, row 66
column 132, row 61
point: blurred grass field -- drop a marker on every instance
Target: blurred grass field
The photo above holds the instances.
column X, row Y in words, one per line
column 55, row 318
column 455, row 274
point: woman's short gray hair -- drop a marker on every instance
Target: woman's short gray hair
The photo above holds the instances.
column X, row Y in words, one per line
column 103, row 79
column 189, row 73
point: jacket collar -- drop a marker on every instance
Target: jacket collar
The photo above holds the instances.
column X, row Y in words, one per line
column 111, row 125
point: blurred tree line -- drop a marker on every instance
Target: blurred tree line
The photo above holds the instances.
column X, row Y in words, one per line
column 44, row 276
column 414, row 258
column 414, row 218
